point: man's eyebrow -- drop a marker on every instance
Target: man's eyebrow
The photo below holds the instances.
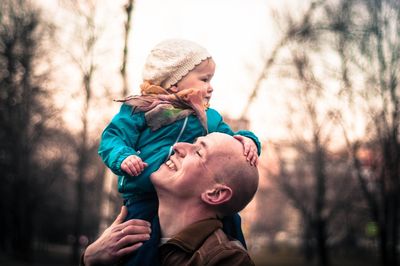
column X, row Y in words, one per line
column 201, row 142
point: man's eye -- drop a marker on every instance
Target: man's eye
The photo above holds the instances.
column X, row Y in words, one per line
column 198, row 153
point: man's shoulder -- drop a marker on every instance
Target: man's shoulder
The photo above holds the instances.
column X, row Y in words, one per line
column 219, row 240
column 219, row 249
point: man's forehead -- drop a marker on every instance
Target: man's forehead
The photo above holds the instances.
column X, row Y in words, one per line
column 202, row 141
column 214, row 140
column 206, row 141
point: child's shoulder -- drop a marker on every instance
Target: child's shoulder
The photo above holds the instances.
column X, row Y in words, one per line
column 128, row 109
column 213, row 115
column 211, row 111
column 127, row 112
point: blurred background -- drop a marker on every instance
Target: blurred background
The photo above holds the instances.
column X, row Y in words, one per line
column 317, row 81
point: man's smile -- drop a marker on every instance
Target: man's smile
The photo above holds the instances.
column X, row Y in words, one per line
column 171, row 165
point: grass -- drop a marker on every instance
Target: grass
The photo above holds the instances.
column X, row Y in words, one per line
column 59, row 255
column 288, row 257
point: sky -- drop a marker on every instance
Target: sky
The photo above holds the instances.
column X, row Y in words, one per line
column 239, row 34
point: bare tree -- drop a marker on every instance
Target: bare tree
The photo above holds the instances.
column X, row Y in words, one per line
column 129, row 10
column 87, row 35
column 29, row 122
column 369, row 48
column 111, row 199
column 305, row 174
column 292, row 30
column 364, row 35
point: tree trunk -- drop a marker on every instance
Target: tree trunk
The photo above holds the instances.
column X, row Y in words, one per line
column 323, row 259
column 308, row 249
column 320, row 230
column 81, row 167
column 128, row 10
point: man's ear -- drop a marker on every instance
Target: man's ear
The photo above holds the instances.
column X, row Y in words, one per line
column 217, row 195
column 173, row 89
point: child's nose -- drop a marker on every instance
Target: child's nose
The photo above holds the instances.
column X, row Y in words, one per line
column 208, row 88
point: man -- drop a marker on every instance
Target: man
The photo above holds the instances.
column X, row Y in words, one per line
column 201, row 183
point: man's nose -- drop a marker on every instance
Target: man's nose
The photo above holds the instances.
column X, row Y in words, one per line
column 182, row 148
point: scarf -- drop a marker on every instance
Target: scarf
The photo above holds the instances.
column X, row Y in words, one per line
column 162, row 108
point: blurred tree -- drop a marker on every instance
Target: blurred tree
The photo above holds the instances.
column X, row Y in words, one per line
column 111, row 199
column 129, row 10
column 369, row 47
column 355, row 49
column 30, row 132
column 312, row 177
column 271, row 220
column 88, row 169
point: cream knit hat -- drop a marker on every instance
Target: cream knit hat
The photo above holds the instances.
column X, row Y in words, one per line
column 171, row 60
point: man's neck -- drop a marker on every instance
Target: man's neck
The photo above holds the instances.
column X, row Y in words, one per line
column 174, row 217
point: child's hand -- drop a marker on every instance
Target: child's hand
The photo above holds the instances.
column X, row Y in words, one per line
column 133, row 165
column 250, row 149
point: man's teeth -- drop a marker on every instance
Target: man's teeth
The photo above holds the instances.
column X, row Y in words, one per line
column 171, row 165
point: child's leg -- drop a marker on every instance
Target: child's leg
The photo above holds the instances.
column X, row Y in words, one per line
column 232, row 227
column 147, row 253
column 144, row 209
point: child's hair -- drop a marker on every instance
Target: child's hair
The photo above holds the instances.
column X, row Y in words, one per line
column 171, row 60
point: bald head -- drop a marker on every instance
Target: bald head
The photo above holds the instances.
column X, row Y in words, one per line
column 234, row 171
column 213, row 169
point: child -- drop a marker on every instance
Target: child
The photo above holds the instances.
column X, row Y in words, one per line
column 173, row 108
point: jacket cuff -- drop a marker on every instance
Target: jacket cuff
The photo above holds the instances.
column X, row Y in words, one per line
column 123, row 154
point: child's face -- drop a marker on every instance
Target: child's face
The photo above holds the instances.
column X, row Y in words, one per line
column 198, row 78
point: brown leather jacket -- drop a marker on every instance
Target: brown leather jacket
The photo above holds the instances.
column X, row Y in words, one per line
column 203, row 243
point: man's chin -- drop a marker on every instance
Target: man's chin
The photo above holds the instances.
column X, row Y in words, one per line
column 161, row 173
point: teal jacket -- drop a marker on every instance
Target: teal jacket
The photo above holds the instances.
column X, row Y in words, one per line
column 128, row 134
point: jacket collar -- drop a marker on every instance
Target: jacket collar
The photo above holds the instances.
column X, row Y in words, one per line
column 192, row 237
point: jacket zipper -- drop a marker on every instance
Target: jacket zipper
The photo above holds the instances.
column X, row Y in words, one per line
column 122, row 184
column 177, row 139
column 170, row 149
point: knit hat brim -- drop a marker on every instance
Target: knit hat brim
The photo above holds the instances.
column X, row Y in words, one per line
column 171, row 60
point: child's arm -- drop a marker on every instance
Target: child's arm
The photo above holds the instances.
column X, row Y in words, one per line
column 119, row 139
column 251, row 144
column 250, row 149
column 133, row 165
